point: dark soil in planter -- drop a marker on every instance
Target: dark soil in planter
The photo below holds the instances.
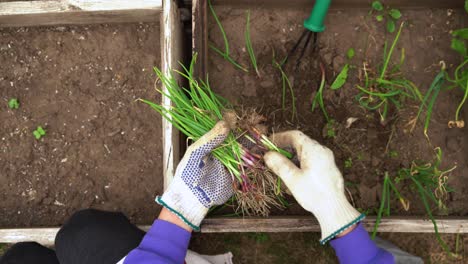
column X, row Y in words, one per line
column 426, row 40
column 102, row 149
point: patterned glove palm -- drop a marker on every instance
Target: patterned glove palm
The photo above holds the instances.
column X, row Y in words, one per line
column 200, row 181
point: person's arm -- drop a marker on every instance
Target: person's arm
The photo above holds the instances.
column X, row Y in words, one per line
column 166, row 241
column 200, row 181
column 356, row 246
column 318, row 187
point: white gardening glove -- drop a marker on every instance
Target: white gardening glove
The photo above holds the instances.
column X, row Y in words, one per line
column 317, row 185
column 200, row 181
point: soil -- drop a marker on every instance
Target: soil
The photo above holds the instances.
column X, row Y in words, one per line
column 101, row 149
column 373, row 148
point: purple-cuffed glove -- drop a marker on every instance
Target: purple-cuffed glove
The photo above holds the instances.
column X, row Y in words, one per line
column 200, row 181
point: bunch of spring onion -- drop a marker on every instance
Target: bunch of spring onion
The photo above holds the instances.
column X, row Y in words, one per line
column 195, row 111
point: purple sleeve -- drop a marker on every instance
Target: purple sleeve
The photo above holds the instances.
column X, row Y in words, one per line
column 358, row 247
column 164, row 243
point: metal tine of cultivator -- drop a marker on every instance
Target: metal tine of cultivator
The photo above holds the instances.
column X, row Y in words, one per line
column 307, row 35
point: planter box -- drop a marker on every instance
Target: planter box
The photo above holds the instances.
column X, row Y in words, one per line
column 168, row 48
column 203, row 26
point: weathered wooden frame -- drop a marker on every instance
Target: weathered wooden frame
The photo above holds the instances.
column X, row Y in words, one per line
column 302, row 223
column 75, row 12
column 66, row 12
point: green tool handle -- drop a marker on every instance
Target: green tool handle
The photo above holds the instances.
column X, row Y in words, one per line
column 315, row 21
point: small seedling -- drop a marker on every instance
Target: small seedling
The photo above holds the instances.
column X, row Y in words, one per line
column 391, row 15
column 226, row 53
column 360, row 156
column 260, row 237
column 330, row 126
column 39, row 132
column 393, row 154
column 343, row 75
column 13, row 103
column 348, row 163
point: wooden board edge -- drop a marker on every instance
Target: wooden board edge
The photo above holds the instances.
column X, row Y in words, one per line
column 171, row 54
column 449, row 225
column 200, row 36
column 51, row 13
column 310, row 224
column 43, row 236
column 341, row 4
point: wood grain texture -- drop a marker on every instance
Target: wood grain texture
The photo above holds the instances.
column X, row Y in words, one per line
column 200, row 36
column 46, row 236
column 66, row 12
column 171, row 54
column 340, row 4
column 310, row 224
column 43, row 236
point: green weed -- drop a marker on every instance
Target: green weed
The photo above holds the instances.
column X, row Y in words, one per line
column 13, row 103
column 259, row 237
column 393, row 154
column 286, row 85
column 39, row 132
column 427, row 103
column 386, row 87
column 330, row 127
column 248, row 44
column 391, row 15
column 460, row 77
column 425, row 178
column 341, row 78
column 318, row 98
column 348, row 163
column 226, row 53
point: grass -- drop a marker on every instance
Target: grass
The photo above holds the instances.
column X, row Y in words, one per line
column 226, row 54
column 248, row 44
column 459, row 80
column 3, row 248
column 318, row 98
column 428, row 180
column 386, row 87
column 286, row 85
column 195, row 110
column 428, row 102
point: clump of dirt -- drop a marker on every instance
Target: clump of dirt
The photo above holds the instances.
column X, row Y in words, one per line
column 366, row 149
column 101, row 149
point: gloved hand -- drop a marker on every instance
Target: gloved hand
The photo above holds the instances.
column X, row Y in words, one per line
column 200, row 181
column 317, row 185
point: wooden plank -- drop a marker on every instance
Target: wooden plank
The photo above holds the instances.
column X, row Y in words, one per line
column 43, row 236
column 340, row 4
column 65, row 12
column 171, row 54
column 200, row 36
column 310, row 224
column 449, row 225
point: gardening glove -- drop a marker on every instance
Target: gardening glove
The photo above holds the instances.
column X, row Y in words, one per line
column 317, row 184
column 200, row 181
